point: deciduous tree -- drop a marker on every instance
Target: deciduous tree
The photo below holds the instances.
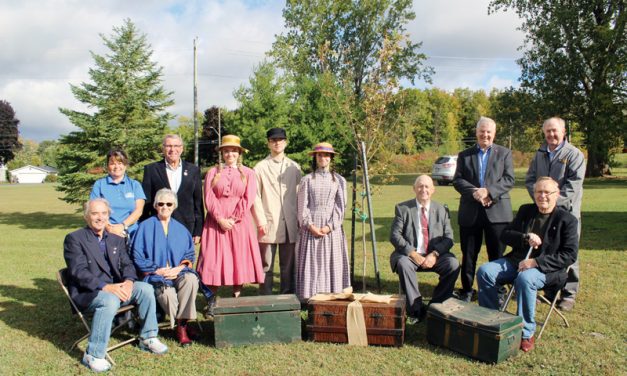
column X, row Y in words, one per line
column 575, row 60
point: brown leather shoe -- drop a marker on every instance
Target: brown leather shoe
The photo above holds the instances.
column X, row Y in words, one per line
column 181, row 335
column 527, row 344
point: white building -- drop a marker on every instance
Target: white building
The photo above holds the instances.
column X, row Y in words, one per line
column 31, row 174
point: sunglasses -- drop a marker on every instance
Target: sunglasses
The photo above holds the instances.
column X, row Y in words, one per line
column 168, row 204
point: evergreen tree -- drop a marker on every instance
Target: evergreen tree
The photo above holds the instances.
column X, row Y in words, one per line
column 129, row 111
column 9, row 142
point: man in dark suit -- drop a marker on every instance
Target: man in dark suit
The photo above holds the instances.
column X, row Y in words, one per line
column 552, row 232
column 422, row 237
column 484, row 177
column 181, row 177
column 101, row 278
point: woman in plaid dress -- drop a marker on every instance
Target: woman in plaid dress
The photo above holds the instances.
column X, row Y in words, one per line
column 322, row 252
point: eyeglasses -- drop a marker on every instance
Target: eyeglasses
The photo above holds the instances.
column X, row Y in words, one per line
column 276, row 139
column 168, row 204
column 544, row 193
column 172, row 146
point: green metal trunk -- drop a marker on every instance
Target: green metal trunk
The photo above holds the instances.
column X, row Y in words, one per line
column 257, row 319
column 481, row 333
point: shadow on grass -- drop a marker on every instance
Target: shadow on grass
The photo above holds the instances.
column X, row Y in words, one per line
column 43, row 312
column 42, row 220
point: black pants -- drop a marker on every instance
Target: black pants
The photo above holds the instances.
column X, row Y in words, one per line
column 446, row 267
column 471, row 239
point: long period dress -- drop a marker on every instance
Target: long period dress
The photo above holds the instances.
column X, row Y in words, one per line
column 230, row 257
column 322, row 262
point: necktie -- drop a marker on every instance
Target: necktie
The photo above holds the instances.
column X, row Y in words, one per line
column 424, row 224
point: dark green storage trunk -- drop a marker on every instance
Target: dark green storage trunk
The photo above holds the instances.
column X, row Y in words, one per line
column 257, row 319
column 481, row 333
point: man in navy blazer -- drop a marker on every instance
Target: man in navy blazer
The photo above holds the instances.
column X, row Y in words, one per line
column 181, row 177
column 422, row 237
column 552, row 233
column 484, row 177
column 101, row 277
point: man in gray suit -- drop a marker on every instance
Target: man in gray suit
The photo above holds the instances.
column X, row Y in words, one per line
column 564, row 163
column 484, row 177
column 422, row 237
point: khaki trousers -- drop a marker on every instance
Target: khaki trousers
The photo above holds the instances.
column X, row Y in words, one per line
column 179, row 302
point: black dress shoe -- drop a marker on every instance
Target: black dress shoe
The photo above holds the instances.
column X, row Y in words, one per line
column 211, row 303
column 464, row 296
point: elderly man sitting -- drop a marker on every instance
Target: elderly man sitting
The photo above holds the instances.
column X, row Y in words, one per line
column 422, row 237
column 552, row 232
column 101, row 278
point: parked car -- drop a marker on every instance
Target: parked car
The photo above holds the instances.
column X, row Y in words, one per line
column 444, row 169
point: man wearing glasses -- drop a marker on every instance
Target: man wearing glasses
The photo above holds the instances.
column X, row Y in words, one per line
column 275, row 212
column 565, row 163
column 181, row 177
column 552, row 233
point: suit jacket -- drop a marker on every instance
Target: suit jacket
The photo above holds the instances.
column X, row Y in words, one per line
column 499, row 180
column 404, row 227
column 560, row 242
column 190, row 210
column 88, row 270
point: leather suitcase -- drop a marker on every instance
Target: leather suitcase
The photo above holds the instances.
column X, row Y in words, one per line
column 480, row 333
column 257, row 319
column 385, row 323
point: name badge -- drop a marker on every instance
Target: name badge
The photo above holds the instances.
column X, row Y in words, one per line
column 129, row 195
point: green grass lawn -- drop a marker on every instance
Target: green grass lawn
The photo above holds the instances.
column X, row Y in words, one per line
column 36, row 327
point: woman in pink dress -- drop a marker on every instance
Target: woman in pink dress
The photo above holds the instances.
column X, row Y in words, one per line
column 229, row 252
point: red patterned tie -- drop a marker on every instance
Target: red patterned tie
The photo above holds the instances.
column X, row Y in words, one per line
column 425, row 228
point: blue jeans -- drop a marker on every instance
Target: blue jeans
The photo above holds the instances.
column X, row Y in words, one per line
column 104, row 307
column 494, row 274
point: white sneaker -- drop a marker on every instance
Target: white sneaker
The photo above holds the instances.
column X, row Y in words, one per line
column 153, row 345
column 96, row 364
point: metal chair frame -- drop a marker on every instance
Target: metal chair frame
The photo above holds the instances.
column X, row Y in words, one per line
column 61, row 278
column 543, row 299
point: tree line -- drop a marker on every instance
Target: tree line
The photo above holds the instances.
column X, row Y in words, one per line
column 335, row 74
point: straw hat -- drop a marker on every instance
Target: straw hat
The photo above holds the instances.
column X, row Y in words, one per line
column 323, row 147
column 231, row 140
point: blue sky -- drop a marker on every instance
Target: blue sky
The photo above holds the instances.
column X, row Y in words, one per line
column 47, row 43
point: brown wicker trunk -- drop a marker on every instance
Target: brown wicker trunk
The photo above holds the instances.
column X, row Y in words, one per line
column 385, row 323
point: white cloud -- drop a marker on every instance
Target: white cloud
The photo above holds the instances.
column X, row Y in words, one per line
column 467, row 47
column 46, row 46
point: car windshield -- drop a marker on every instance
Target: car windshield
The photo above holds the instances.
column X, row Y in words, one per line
column 442, row 160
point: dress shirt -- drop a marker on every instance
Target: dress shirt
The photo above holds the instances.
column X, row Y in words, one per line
column 420, row 246
column 175, row 175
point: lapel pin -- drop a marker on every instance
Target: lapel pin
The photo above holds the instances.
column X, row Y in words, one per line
column 185, row 172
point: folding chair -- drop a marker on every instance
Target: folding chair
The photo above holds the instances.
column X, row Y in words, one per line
column 552, row 303
column 62, row 279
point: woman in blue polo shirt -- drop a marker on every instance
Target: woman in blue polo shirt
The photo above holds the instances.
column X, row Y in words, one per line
column 125, row 195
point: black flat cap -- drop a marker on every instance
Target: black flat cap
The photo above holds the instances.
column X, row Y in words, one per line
column 276, row 133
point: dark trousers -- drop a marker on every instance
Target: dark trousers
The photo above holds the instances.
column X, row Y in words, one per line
column 471, row 239
column 287, row 265
column 446, row 267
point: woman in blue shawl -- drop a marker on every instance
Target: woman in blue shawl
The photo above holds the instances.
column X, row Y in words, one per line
column 163, row 252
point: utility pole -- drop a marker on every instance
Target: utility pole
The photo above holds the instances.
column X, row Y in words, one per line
column 195, row 104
